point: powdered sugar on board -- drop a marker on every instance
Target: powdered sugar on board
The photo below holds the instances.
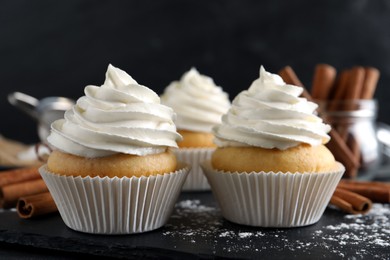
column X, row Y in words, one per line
column 365, row 235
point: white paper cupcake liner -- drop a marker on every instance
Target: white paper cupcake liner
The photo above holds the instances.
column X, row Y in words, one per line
column 268, row 199
column 196, row 180
column 115, row 205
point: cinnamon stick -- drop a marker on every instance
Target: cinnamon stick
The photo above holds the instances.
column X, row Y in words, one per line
column 350, row 202
column 336, row 144
column 366, row 183
column 36, row 205
column 354, row 146
column 349, row 89
column 19, row 175
column 370, row 82
column 323, row 81
column 343, row 153
column 340, row 88
column 9, row 194
column 355, row 83
column 376, row 191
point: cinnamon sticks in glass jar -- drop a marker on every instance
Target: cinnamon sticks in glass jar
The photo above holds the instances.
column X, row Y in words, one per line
column 347, row 102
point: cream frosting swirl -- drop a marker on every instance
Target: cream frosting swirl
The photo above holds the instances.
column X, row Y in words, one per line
column 270, row 114
column 197, row 101
column 121, row 116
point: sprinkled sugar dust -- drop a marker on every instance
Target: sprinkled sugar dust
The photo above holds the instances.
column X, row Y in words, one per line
column 195, row 223
column 372, row 229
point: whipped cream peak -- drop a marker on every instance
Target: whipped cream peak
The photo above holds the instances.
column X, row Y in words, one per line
column 202, row 82
column 117, row 77
column 197, row 101
column 120, row 116
column 267, row 78
column 271, row 114
column 121, row 87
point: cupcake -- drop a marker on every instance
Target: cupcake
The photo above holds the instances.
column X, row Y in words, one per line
column 271, row 167
column 199, row 105
column 112, row 169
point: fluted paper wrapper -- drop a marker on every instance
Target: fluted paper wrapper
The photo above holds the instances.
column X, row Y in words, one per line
column 196, row 180
column 115, row 205
column 268, row 199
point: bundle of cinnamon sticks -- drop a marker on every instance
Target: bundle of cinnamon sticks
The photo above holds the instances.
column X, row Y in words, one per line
column 356, row 197
column 357, row 82
column 349, row 85
column 25, row 190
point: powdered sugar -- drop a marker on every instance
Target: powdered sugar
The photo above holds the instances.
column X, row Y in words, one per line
column 335, row 235
column 370, row 229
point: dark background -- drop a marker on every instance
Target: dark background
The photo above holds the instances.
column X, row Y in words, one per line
column 56, row 48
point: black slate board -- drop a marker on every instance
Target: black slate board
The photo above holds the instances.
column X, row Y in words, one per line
column 196, row 229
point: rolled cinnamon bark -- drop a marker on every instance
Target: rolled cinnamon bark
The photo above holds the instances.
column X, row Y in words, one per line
column 323, row 81
column 355, row 83
column 376, row 191
column 19, row 175
column 340, row 88
column 10, row 194
column 370, row 82
column 366, row 183
column 349, row 87
column 350, row 202
column 36, row 205
column 354, row 145
column 343, row 153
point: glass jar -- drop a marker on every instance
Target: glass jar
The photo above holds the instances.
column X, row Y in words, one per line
column 355, row 121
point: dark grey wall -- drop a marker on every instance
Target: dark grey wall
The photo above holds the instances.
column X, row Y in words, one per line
column 58, row 47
